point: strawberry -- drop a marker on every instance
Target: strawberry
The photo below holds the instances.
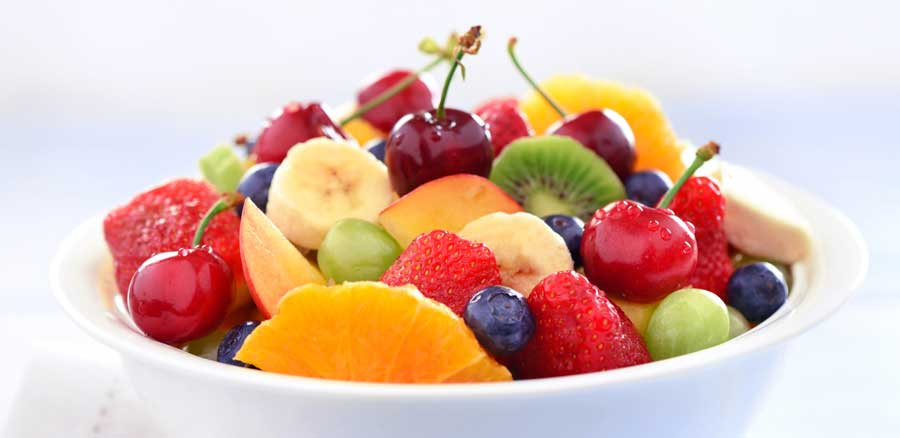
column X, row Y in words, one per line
column 164, row 219
column 445, row 268
column 505, row 121
column 700, row 202
column 577, row 330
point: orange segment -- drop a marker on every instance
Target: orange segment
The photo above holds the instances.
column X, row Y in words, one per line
column 655, row 141
column 368, row 332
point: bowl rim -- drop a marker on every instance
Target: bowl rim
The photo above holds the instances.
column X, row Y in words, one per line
column 785, row 324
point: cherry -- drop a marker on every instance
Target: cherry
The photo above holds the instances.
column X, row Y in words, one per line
column 431, row 144
column 415, row 96
column 295, row 123
column 642, row 253
column 178, row 296
column 603, row 131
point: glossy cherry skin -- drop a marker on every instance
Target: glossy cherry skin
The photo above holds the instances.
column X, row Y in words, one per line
column 606, row 133
column 422, row 148
column 295, row 123
column 638, row 253
column 179, row 296
column 416, row 97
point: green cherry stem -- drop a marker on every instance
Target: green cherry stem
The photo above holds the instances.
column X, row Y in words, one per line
column 390, row 92
column 228, row 201
column 440, row 108
column 704, row 154
column 511, row 49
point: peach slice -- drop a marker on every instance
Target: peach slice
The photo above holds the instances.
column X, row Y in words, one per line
column 272, row 264
column 447, row 203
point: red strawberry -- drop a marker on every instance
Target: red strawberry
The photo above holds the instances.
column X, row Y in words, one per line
column 445, row 268
column 700, row 202
column 505, row 121
column 577, row 330
column 165, row 219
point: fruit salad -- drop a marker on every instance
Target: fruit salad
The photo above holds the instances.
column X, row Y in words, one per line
column 568, row 231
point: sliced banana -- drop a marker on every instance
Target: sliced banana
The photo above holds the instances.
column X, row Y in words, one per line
column 322, row 181
column 527, row 250
column 761, row 222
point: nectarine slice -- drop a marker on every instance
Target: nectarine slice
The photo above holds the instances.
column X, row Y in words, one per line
column 447, row 203
column 272, row 265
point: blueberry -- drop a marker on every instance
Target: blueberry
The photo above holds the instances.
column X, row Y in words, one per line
column 255, row 184
column 233, row 341
column 376, row 148
column 570, row 229
column 500, row 319
column 647, row 187
column 757, row 290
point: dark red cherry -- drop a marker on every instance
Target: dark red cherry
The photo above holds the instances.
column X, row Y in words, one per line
column 179, row 296
column 638, row 253
column 423, row 147
column 606, row 133
column 416, row 97
column 295, row 123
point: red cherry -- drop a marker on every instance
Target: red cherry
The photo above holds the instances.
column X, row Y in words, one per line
column 178, row 296
column 423, row 147
column 638, row 253
column 606, row 133
column 505, row 121
column 295, row 123
column 415, row 97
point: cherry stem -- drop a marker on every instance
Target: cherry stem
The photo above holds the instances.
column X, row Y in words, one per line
column 228, row 201
column 704, row 154
column 390, row 92
column 440, row 108
column 510, row 48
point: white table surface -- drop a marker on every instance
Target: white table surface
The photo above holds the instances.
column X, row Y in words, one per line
column 840, row 379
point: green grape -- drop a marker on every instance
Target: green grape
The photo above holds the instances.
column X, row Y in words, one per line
column 686, row 321
column 737, row 324
column 356, row 250
column 222, row 168
column 206, row 347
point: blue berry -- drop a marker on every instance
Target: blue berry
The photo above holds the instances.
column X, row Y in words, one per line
column 500, row 319
column 647, row 187
column 233, row 341
column 757, row 290
column 570, row 229
column 376, row 148
column 255, row 184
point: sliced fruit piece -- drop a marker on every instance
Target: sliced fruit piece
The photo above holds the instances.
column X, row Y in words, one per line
column 556, row 175
column 369, row 332
column 759, row 221
column 272, row 265
column 447, row 203
column 322, row 181
column 362, row 131
column 655, row 141
column 638, row 313
column 526, row 248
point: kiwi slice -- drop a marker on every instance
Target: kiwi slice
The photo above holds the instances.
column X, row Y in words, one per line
column 556, row 175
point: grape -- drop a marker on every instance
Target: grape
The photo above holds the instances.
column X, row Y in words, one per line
column 686, row 321
column 356, row 250
column 737, row 324
column 222, row 168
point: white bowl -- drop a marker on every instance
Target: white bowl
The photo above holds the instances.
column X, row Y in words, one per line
column 709, row 393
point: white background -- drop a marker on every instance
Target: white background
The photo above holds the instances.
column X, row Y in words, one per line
column 101, row 98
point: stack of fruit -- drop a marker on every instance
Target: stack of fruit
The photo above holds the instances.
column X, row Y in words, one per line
column 531, row 238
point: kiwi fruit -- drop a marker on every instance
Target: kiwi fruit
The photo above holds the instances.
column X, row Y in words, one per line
column 556, row 175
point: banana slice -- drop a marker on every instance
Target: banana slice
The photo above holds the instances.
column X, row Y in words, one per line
column 527, row 250
column 322, row 181
column 761, row 222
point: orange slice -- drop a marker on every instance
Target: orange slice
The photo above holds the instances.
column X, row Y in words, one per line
column 656, row 143
column 362, row 131
column 369, row 332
